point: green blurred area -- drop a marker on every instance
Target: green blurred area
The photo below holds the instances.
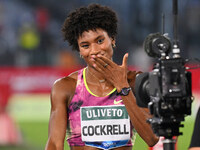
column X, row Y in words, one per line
column 35, row 131
column 35, row 137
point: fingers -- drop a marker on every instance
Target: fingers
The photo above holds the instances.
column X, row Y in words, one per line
column 102, row 64
column 99, row 66
column 104, row 60
column 125, row 60
column 112, row 72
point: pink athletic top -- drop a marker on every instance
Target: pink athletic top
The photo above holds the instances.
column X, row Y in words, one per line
column 101, row 122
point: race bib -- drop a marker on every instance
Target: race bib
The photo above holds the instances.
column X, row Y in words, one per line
column 105, row 123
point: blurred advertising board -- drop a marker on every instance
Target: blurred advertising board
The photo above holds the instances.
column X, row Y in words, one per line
column 41, row 79
column 28, row 80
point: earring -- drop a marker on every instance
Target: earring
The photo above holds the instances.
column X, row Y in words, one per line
column 113, row 45
column 81, row 56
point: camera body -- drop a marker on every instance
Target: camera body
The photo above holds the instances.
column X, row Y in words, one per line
column 166, row 90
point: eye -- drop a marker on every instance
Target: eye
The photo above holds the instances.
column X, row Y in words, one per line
column 85, row 46
column 100, row 41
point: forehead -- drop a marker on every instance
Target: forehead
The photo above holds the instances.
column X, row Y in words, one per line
column 92, row 34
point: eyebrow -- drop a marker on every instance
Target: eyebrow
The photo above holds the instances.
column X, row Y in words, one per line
column 94, row 39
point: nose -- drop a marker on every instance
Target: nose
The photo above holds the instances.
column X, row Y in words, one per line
column 95, row 49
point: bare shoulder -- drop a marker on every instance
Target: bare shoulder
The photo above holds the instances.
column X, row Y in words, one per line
column 63, row 89
column 74, row 75
column 66, row 83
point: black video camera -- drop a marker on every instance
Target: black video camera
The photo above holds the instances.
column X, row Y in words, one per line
column 166, row 91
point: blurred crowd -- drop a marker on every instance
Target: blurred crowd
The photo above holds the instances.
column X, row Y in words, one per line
column 30, row 30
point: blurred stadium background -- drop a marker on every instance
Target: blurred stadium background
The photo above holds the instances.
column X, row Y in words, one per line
column 33, row 55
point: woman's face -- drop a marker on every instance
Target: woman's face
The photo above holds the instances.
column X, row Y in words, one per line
column 95, row 42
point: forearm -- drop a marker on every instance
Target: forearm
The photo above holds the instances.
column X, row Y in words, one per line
column 118, row 77
column 139, row 119
column 51, row 145
column 56, row 136
column 57, row 129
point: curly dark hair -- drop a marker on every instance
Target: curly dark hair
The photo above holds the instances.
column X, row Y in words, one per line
column 89, row 18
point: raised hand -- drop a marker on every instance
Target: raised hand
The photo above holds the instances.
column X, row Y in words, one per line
column 113, row 73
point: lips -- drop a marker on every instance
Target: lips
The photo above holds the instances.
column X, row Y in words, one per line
column 92, row 59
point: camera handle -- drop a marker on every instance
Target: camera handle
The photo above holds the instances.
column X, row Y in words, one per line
column 169, row 144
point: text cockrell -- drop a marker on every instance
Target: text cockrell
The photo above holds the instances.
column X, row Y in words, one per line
column 102, row 123
column 104, row 130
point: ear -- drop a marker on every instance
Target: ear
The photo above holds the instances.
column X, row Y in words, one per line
column 113, row 43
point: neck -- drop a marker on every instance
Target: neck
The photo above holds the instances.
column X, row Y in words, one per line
column 94, row 75
column 93, row 78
